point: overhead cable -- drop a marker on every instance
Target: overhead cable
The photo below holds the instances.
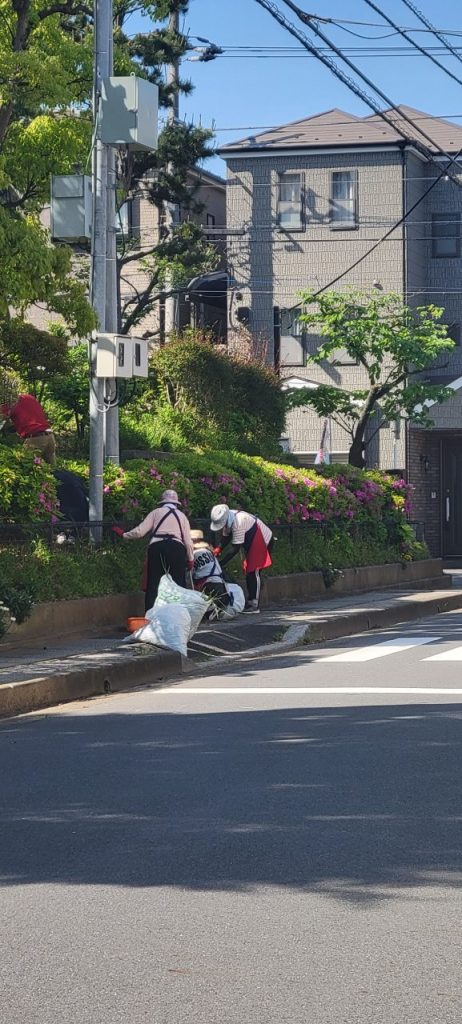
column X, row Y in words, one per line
column 436, row 32
column 421, row 49
column 354, row 86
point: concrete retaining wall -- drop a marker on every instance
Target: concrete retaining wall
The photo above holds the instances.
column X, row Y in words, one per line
column 61, row 618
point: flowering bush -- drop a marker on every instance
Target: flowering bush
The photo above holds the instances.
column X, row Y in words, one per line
column 27, row 486
column 338, row 498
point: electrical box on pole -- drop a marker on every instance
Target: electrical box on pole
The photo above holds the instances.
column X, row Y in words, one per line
column 129, row 112
column 71, row 207
column 140, row 357
column 119, row 355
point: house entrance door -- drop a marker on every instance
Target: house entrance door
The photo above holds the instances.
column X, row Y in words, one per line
column 452, row 497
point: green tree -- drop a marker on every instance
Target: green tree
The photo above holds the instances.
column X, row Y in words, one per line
column 163, row 178
column 45, row 128
column 199, row 396
column 392, row 343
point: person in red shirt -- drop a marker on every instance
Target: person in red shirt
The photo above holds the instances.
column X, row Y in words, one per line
column 30, row 422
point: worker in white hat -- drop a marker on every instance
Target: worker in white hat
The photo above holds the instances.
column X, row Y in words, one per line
column 170, row 546
column 250, row 534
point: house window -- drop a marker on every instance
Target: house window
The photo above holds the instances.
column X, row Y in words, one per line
column 210, row 224
column 445, row 235
column 290, row 202
column 344, row 199
column 454, row 333
column 292, row 339
column 124, row 220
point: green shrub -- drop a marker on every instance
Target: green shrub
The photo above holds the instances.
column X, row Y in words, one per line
column 27, row 486
column 201, row 397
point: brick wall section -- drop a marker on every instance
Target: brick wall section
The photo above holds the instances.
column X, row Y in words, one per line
column 427, row 509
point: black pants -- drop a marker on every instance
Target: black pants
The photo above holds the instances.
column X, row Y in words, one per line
column 164, row 556
column 253, row 580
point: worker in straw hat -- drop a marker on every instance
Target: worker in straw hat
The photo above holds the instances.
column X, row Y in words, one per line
column 250, row 534
column 207, row 573
column 170, row 547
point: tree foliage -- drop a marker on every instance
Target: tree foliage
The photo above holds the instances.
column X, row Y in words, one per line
column 201, row 397
column 46, row 57
column 392, row 343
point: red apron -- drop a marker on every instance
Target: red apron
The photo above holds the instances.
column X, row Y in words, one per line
column 257, row 555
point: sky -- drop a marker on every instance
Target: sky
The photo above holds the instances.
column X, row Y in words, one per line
column 236, row 94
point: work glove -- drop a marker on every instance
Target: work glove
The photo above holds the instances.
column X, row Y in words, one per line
column 118, row 530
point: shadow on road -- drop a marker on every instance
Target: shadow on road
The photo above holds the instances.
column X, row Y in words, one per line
column 354, row 802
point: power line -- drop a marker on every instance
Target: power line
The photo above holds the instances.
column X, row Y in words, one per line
column 274, row 127
column 417, row 46
column 438, row 33
column 273, row 52
column 307, row 19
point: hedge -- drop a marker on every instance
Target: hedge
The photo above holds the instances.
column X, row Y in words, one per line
column 334, row 495
column 344, row 517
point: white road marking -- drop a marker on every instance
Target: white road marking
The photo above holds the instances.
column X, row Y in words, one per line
column 454, row 654
column 379, row 650
column 242, row 690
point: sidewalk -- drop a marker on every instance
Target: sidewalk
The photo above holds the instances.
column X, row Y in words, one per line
column 38, row 676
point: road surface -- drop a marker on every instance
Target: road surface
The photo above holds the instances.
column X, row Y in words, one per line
column 282, row 845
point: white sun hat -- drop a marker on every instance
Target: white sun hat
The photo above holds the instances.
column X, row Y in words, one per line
column 219, row 515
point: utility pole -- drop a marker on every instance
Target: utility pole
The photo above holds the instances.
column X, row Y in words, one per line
column 112, row 311
column 102, row 56
column 171, row 210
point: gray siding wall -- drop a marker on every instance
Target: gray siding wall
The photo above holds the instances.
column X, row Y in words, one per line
column 269, row 267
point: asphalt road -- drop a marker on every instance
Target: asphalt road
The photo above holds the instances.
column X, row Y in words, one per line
column 282, row 844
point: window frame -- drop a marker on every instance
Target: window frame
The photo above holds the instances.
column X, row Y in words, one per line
column 456, row 336
column 288, row 229
column 124, row 224
column 438, row 218
column 296, row 333
column 344, row 225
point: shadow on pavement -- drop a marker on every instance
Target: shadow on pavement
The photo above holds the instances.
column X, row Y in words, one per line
column 353, row 802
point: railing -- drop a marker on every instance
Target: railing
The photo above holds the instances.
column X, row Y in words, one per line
column 66, row 534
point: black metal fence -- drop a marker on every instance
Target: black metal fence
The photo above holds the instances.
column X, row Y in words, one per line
column 67, row 534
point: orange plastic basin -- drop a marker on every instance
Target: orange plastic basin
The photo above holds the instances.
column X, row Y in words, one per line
column 134, row 624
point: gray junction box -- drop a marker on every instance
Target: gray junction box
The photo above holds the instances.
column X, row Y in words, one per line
column 71, row 207
column 129, row 112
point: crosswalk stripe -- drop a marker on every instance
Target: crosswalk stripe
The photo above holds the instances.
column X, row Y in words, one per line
column 454, row 654
column 379, row 650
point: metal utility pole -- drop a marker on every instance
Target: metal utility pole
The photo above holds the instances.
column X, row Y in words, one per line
column 171, row 210
column 102, row 56
column 112, row 311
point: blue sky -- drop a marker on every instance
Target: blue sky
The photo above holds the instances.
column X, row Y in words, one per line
column 235, row 94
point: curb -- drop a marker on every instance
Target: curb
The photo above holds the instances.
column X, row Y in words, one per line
column 133, row 669
column 362, row 622
column 110, row 676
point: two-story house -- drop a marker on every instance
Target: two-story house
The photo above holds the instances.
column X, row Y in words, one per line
column 304, row 202
column 142, row 223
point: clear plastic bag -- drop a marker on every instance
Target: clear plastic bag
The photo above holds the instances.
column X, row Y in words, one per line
column 169, row 626
column 237, row 603
column 170, row 594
